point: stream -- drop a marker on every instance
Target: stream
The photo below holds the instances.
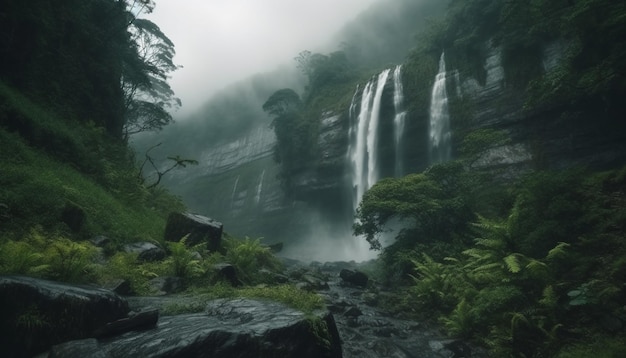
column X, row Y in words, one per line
column 367, row 330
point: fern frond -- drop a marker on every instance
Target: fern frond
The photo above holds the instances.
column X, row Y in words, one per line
column 560, row 250
column 513, row 263
column 487, row 267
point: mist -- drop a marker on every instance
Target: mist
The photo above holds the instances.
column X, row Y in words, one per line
column 220, row 42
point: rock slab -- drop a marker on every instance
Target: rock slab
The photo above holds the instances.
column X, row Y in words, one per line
column 199, row 228
column 37, row 314
column 229, row 328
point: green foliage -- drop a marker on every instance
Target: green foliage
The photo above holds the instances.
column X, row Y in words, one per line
column 96, row 175
column 70, row 261
column 459, row 322
column 524, row 303
column 21, row 258
column 184, row 261
column 435, row 283
column 478, row 141
column 249, row 257
column 595, row 346
column 52, row 257
column 436, row 202
column 546, row 202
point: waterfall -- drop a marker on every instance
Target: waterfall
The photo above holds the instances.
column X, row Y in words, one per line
column 398, row 120
column 440, row 137
column 259, row 188
column 363, row 156
column 232, row 196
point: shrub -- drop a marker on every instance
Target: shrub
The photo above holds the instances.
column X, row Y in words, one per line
column 249, row 256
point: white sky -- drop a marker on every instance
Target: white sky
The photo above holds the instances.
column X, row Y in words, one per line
column 219, row 42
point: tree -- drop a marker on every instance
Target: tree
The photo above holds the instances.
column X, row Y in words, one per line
column 293, row 131
column 437, row 203
column 148, row 62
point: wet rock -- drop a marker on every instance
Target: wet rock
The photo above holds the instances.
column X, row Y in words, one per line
column 272, row 277
column 353, row 312
column 139, row 321
column 146, row 251
column 120, row 286
column 100, row 241
column 228, row 273
column 55, row 312
column 451, row 348
column 276, row 248
column 73, row 216
column 611, row 323
column 197, row 228
column 315, row 283
column 76, row 349
column 354, row 277
column 228, row 328
column 166, row 285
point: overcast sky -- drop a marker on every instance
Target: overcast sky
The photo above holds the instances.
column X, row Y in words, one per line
column 219, row 42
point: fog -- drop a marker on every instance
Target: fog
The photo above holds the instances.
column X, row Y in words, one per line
column 219, row 42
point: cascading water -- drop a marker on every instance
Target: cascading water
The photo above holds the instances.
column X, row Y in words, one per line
column 398, row 120
column 440, row 148
column 259, row 188
column 232, row 196
column 364, row 158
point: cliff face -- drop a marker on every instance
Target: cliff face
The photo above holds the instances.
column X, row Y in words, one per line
column 238, row 182
column 585, row 133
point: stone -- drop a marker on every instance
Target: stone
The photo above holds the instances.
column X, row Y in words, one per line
column 354, row 277
column 146, row 251
column 228, row 328
column 138, row 321
column 120, row 286
column 100, row 241
column 353, row 311
column 76, row 348
column 166, row 285
column 73, row 216
column 197, row 228
column 37, row 314
column 227, row 272
column 276, row 248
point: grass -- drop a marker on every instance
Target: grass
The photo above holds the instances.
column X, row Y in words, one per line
column 48, row 162
column 289, row 295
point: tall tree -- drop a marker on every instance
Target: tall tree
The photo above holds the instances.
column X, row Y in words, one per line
column 148, row 63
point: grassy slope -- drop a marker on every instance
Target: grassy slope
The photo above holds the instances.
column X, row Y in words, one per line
column 54, row 162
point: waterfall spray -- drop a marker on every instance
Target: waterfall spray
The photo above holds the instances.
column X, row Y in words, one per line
column 363, row 156
column 398, row 120
column 440, row 137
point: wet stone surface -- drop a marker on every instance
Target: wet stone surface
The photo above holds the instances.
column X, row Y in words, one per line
column 368, row 331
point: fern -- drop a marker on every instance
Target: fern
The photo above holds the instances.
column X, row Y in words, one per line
column 559, row 251
column 460, row 322
column 513, row 263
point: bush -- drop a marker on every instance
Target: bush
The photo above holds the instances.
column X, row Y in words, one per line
column 249, row 257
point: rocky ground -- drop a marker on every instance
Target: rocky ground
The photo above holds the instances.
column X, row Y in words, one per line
column 359, row 319
column 368, row 330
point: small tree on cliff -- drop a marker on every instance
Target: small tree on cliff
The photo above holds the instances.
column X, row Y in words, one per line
column 293, row 132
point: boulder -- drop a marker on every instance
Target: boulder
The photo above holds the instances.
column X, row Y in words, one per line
column 100, row 241
column 228, row 328
column 138, row 321
column 73, row 216
column 227, row 272
column 354, row 277
column 146, row 251
column 198, row 228
column 166, row 284
column 120, row 286
column 37, row 314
